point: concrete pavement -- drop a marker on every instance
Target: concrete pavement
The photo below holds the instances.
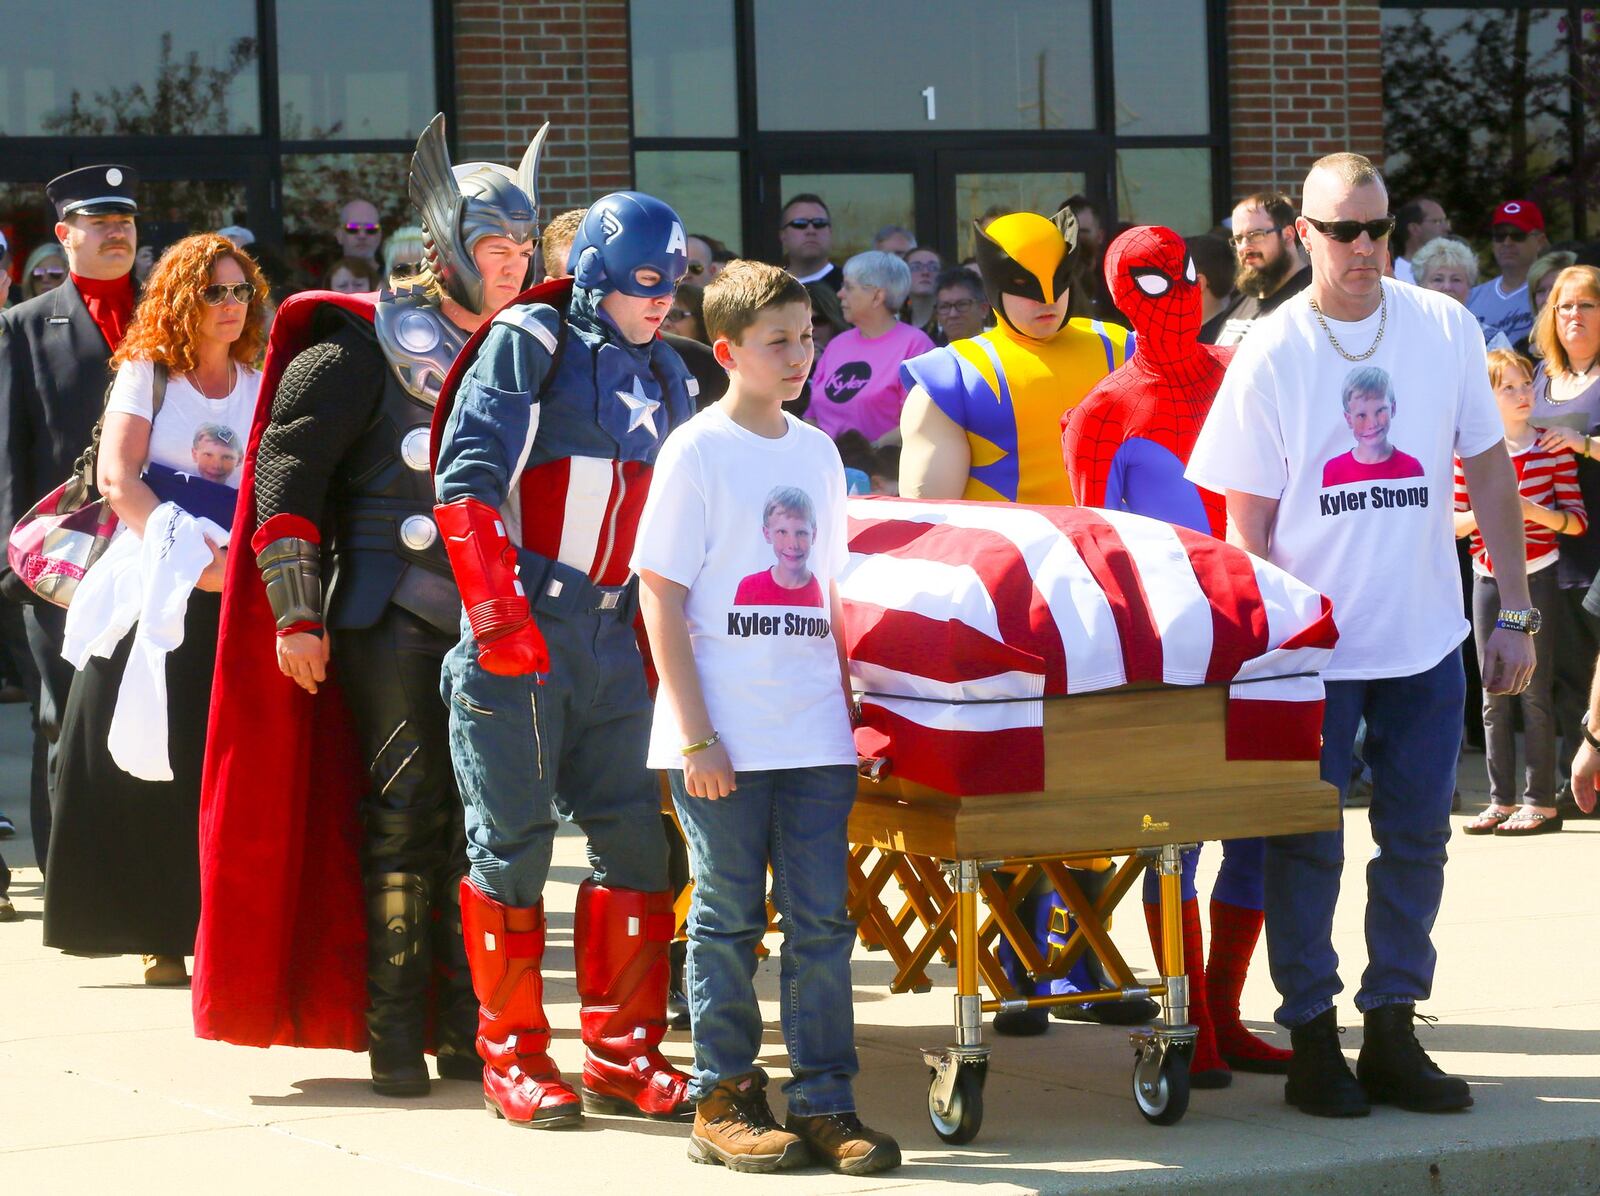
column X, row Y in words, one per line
column 103, row 1087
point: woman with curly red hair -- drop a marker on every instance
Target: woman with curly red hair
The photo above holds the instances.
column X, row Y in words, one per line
column 124, row 872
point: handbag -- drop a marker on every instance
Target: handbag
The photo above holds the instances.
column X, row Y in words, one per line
column 53, row 545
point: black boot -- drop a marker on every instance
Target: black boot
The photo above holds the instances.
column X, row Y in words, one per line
column 456, row 1030
column 1034, row 913
column 677, row 1002
column 1395, row 1070
column 399, row 960
column 1320, row 1082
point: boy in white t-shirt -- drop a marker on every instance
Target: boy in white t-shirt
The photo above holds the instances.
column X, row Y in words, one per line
column 752, row 724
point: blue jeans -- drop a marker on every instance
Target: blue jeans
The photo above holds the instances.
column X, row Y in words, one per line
column 576, row 744
column 1413, row 738
column 794, row 819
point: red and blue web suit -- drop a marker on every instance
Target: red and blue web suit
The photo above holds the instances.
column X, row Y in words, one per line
column 1126, row 447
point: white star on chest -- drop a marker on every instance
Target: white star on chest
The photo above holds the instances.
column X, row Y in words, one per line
column 641, row 408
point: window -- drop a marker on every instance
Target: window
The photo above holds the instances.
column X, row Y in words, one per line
column 684, row 80
column 1165, row 186
column 701, row 185
column 98, row 68
column 316, row 186
column 901, row 64
column 1160, row 67
column 358, row 70
column 1478, row 109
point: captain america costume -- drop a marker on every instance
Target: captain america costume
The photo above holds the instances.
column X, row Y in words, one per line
column 1126, row 447
column 547, row 433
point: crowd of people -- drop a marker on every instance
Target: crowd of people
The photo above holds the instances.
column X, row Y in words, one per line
column 496, row 538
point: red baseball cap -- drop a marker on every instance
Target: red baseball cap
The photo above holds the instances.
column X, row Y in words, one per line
column 1522, row 213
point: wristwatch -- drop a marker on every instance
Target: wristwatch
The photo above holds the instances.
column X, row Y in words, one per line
column 1526, row 621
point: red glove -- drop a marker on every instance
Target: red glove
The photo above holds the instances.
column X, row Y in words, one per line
column 485, row 565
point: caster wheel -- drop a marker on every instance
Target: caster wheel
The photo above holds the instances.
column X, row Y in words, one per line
column 959, row 1124
column 1165, row 1099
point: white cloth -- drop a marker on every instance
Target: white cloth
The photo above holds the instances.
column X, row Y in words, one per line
column 1378, row 539
column 765, row 650
column 1403, row 271
column 175, row 439
column 145, row 582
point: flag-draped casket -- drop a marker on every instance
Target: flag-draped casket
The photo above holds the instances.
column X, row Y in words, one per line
column 963, row 618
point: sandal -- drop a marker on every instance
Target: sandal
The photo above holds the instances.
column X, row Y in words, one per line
column 1492, row 817
column 1528, row 822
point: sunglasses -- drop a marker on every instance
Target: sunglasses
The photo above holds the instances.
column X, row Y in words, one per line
column 361, row 228
column 813, row 222
column 405, row 269
column 697, row 268
column 1519, row 235
column 923, row 267
column 1346, row 231
column 218, row 292
column 54, row 273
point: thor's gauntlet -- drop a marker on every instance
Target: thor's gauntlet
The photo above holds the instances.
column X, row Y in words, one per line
column 292, row 571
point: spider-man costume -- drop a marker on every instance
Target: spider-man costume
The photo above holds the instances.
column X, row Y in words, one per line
column 1126, row 446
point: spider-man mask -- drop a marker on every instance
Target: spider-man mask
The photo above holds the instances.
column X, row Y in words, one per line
column 1153, row 283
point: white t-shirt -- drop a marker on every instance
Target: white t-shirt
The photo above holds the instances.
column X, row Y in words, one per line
column 755, row 528
column 1376, row 537
column 192, row 434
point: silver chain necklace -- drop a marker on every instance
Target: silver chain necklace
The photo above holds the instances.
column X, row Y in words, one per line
column 1383, row 319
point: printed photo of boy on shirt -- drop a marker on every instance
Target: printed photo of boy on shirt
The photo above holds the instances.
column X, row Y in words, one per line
column 1369, row 406
column 788, row 524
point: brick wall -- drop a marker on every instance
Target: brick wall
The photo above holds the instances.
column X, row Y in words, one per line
column 1304, row 80
column 521, row 62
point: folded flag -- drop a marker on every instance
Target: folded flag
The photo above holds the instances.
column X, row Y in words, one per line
column 962, row 618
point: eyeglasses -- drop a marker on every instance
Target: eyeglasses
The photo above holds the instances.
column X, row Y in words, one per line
column 959, row 308
column 1501, row 234
column 53, row 273
column 405, row 269
column 679, row 313
column 1254, row 235
column 923, row 267
column 1346, row 231
column 813, row 222
column 1574, row 308
column 218, row 292
column 697, row 268
column 356, row 227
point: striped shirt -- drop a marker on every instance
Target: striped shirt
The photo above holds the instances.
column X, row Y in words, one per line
column 1546, row 478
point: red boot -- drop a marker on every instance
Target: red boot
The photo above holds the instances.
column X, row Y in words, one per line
column 1206, row 1068
column 620, row 938
column 505, row 945
column 1234, row 931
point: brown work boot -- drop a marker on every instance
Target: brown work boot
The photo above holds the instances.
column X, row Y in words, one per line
column 735, row 1127
column 844, row 1144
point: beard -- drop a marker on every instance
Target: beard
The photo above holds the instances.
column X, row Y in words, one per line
column 1260, row 281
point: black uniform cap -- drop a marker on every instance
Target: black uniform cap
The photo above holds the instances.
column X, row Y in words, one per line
column 94, row 191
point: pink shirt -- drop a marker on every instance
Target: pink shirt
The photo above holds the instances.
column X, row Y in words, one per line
column 759, row 589
column 857, row 383
column 1344, row 469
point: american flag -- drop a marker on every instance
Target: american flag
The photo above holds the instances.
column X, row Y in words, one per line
column 961, row 618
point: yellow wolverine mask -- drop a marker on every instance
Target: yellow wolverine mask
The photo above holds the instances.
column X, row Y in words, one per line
column 1023, row 253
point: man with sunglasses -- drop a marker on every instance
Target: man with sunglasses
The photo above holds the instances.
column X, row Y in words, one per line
column 1379, row 541
column 359, row 232
column 1501, row 304
column 805, row 231
column 54, row 352
column 1270, row 267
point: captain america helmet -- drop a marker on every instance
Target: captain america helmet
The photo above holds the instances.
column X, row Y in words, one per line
column 624, row 234
column 460, row 205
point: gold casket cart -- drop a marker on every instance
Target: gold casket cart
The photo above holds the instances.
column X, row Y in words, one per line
column 1139, row 772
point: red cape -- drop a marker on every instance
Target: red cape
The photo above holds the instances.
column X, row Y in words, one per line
column 280, row 957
